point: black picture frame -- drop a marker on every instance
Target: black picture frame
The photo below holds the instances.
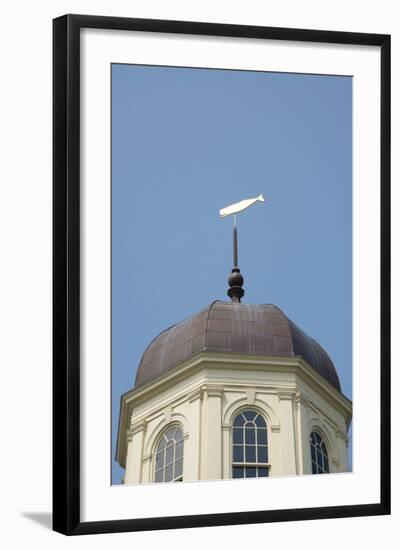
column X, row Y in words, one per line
column 66, row 273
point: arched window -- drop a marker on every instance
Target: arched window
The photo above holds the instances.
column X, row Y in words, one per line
column 250, row 445
column 319, row 454
column 169, row 456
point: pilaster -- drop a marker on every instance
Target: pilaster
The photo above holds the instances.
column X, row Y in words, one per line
column 192, row 450
column 212, row 463
column 288, row 436
column 303, row 436
column 135, row 439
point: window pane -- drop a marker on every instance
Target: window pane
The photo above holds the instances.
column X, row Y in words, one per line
column 162, row 443
column 314, row 468
column 251, row 471
column 260, row 421
column 178, row 434
column 237, row 453
column 169, row 453
column 158, row 476
column 313, row 453
column 318, row 438
column 239, row 420
column 319, row 458
column 262, row 472
column 261, row 436
column 179, row 450
column 249, row 415
column 326, row 465
column 238, row 435
column 250, row 437
column 238, row 472
column 168, row 473
column 159, row 460
column 313, row 440
column 250, row 454
column 262, row 454
column 170, row 433
column 178, row 467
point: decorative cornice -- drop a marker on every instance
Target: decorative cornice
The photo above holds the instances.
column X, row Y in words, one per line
column 129, row 436
column 301, row 400
column 212, row 390
column 136, row 428
column 286, row 395
column 202, row 359
column 196, row 394
column 314, row 408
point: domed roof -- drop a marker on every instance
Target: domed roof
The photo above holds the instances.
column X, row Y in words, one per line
column 229, row 327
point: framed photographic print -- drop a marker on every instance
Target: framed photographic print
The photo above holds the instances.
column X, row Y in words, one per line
column 221, row 274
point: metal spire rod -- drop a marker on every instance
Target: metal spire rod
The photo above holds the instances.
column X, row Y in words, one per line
column 235, row 244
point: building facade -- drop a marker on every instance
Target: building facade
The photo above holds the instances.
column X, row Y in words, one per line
column 237, row 390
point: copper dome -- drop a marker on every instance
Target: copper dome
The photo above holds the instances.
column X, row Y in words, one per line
column 228, row 327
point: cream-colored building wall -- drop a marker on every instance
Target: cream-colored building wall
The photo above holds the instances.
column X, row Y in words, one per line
column 205, row 398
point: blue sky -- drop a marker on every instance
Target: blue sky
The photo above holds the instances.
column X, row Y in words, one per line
column 187, row 142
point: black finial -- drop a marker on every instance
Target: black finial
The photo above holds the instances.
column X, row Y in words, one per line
column 235, row 281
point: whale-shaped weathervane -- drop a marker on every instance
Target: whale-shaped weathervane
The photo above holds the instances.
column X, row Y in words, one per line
column 239, row 206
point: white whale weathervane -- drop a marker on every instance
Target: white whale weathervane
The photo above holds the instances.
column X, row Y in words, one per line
column 239, row 206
